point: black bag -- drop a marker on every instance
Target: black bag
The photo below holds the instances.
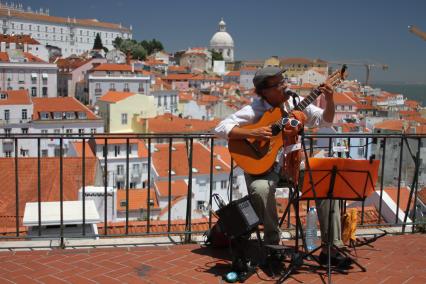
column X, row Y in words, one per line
column 216, row 238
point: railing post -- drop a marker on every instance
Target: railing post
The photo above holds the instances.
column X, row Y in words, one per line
column 189, row 197
column 149, row 186
column 105, row 186
column 83, row 184
column 61, row 188
column 211, row 181
column 382, row 179
column 38, row 186
column 16, row 187
column 169, row 210
column 127, row 184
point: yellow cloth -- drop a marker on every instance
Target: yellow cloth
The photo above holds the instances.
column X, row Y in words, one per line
column 349, row 226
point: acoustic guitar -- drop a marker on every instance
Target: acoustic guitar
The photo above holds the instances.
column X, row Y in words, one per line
column 257, row 156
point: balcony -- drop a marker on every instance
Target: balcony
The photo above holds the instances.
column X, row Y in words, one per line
column 187, row 262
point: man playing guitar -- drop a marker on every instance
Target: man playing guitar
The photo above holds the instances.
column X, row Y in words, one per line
column 271, row 89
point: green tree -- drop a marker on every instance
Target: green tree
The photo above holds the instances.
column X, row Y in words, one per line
column 216, row 56
column 117, row 42
column 98, row 42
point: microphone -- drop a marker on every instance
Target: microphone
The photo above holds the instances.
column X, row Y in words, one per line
column 289, row 92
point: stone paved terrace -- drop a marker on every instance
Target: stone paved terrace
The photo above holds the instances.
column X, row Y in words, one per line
column 392, row 259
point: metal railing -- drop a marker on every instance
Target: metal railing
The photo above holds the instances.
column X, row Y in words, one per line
column 410, row 145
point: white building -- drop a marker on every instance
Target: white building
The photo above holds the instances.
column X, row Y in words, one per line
column 71, row 35
column 21, row 70
column 24, row 43
column 116, row 161
column 21, row 114
column 222, row 42
column 117, row 77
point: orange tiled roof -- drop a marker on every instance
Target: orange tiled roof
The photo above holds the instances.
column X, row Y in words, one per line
column 412, row 104
column 16, row 97
column 114, row 141
column 208, row 99
column 201, row 160
column 403, row 196
column 178, row 188
column 233, row 74
column 138, row 199
column 71, row 63
column 184, row 96
column 4, row 57
column 60, row 104
column 178, row 77
column 27, row 181
column 223, row 154
column 142, row 150
column 156, row 226
column 396, row 125
column 178, row 68
column 18, row 39
column 78, row 146
column 343, row 99
column 163, row 123
column 52, row 19
column 118, row 67
column 114, row 96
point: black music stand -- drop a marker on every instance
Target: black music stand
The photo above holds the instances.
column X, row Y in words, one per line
column 338, row 179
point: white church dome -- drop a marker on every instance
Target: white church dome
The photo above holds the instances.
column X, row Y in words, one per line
column 222, row 38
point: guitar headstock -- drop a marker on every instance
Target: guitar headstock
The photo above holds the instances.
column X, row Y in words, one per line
column 338, row 76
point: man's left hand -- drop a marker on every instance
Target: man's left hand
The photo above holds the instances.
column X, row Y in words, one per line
column 327, row 90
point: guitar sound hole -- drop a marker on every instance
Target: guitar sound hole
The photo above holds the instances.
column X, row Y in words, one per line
column 276, row 129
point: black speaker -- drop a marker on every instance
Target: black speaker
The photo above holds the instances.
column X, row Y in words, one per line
column 238, row 218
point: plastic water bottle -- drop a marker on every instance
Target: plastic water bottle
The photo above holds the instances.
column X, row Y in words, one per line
column 311, row 229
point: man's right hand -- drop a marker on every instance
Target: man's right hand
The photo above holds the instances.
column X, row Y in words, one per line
column 262, row 133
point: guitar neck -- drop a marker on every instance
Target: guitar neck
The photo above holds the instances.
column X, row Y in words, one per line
column 315, row 93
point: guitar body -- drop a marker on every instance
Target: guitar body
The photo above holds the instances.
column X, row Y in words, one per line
column 257, row 156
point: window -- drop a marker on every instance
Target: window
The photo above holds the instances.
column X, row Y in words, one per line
column 24, row 130
column 350, row 107
column 21, row 77
column 70, row 115
column 165, row 101
column 33, row 91
column 123, row 203
column 44, row 153
column 8, row 154
column 97, row 86
column 6, row 114
column 159, row 101
column 82, row 115
column 93, row 130
column 24, row 153
column 57, row 131
column 200, row 204
column 44, row 131
column 7, row 131
column 68, row 131
column 126, row 87
column 124, row 118
column 117, row 150
column 81, row 131
column 24, row 114
column 44, row 92
column 120, row 169
column 57, row 115
column 223, row 184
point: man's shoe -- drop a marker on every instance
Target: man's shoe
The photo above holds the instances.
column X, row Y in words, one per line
column 337, row 260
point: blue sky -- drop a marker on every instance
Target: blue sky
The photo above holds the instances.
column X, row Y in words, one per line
column 363, row 30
